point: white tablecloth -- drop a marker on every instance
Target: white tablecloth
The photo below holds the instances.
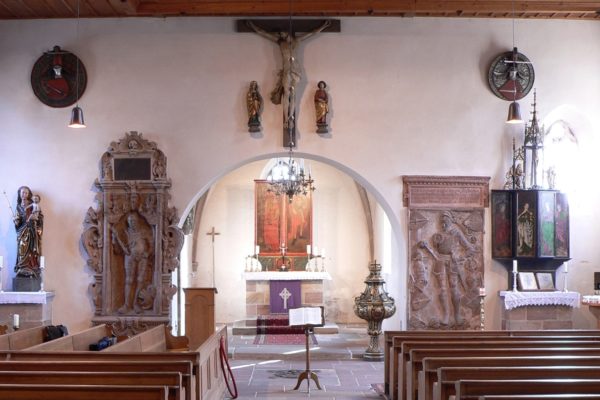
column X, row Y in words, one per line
column 523, row 299
column 25, row 297
column 286, row 276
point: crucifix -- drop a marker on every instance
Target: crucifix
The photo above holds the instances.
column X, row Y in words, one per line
column 285, row 295
column 212, row 234
column 290, row 74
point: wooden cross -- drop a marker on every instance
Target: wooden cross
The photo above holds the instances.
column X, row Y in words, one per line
column 285, row 295
column 213, row 233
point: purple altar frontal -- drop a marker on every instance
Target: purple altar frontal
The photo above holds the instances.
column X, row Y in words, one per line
column 284, row 295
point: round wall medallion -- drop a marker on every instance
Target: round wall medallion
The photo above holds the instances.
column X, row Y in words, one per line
column 54, row 78
column 511, row 75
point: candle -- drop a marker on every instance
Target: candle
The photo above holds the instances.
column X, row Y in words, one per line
column 566, row 266
column 16, row 321
column 323, row 252
column 515, row 268
column 257, row 249
column 482, row 291
column 308, row 249
column 42, row 262
column 1, row 261
column 316, row 251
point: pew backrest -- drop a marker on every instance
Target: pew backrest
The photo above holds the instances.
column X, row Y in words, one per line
column 88, row 392
column 448, row 376
column 171, row 380
column 416, row 356
column 472, row 389
column 25, row 338
column 155, row 339
column 391, row 362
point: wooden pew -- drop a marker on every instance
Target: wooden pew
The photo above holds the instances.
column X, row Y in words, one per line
column 541, row 396
column 417, row 355
column 472, row 389
column 171, row 380
column 413, row 361
column 79, row 341
column 183, row 368
column 394, row 340
column 79, row 392
column 22, row 339
column 205, row 361
column 448, row 376
column 432, row 365
column 391, row 364
column 402, row 348
column 156, row 339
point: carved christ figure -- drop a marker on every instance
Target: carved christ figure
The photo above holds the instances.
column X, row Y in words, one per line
column 290, row 73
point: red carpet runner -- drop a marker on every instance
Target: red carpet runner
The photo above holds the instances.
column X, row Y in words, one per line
column 275, row 324
column 274, row 329
column 298, row 339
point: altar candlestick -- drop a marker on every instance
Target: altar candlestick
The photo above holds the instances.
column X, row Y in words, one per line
column 515, row 268
column 16, row 321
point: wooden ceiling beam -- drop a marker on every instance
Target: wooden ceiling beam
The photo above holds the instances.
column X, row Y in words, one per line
column 125, row 7
column 320, row 8
column 359, row 7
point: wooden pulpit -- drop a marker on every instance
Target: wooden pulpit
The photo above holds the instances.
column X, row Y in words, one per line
column 199, row 315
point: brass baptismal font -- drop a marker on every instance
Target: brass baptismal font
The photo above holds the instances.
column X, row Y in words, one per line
column 374, row 305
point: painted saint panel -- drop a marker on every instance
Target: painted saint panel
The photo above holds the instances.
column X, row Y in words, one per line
column 561, row 225
column 282, row 224
column 502, row 224
column 268, row 219
column 526, row 223
column 546, row 224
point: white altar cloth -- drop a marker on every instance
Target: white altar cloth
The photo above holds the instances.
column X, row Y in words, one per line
column 522, row 299
column 286, row 276
column 25, row 297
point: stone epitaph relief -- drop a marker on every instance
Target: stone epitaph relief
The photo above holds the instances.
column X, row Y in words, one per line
column 130, row 240
column 446, row 266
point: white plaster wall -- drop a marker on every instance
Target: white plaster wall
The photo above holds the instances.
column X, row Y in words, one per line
column 408, row 96
column 339, row 226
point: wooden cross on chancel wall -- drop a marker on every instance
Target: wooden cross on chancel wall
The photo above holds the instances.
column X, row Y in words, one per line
column 212, row 234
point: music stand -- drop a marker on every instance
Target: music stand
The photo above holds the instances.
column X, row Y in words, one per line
column 307, row 317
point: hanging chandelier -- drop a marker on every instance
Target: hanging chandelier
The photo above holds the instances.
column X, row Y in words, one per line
column 289, row 177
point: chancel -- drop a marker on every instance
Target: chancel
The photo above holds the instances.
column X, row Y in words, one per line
column 398, row 185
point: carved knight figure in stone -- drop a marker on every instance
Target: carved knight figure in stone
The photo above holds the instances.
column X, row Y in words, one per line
column 453, row 252
column 136, row 243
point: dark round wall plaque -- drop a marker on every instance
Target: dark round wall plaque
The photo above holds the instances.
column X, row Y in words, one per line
column 54, row 78
column 511, row 75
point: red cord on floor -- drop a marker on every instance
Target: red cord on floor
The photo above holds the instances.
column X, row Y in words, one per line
column 225, row 361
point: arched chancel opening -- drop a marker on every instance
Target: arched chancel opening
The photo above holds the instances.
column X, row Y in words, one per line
column 350, row 219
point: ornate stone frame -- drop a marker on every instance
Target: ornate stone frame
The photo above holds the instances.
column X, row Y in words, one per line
column 445, row 233
column 146, row 197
